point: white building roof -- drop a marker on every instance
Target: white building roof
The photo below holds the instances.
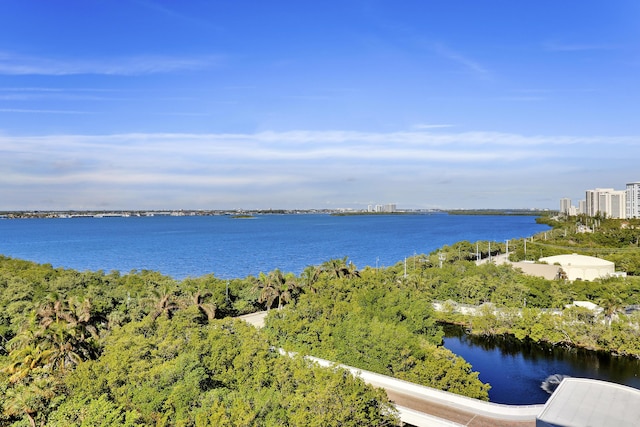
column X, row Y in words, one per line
column 580, row 402
column 577, row 261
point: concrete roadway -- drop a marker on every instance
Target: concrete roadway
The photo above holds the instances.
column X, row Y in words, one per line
column 424, row 406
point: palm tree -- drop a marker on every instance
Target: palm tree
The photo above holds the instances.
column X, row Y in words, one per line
column 80, row 317
column 31, row 398
column 611, row 305
column 351, row 270
column 334, row 266
column 52, row 311
column 19, row 402
column 206, row 309
column 61, row 334
column 268, row 285
column 165, row 303
column 276, row 286
column 339, row 268
column 309, row 278
column 66, row 347
column 24, row 360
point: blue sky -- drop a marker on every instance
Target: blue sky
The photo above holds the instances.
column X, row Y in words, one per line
column 140, row 104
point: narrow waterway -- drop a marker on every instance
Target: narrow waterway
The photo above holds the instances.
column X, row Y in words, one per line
column 526, row 373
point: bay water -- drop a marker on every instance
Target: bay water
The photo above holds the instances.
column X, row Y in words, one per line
column 191, row 246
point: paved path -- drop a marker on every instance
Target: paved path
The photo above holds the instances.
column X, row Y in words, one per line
column 448, row 416
column 255, row 319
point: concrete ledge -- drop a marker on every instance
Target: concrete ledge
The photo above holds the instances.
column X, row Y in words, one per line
column 479, row 407
column 418, row 418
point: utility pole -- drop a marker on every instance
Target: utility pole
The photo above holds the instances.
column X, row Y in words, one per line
column 441, row 258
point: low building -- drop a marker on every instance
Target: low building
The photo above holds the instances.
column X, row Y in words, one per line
column 585, row 304
column 582, row 267
column 549, row 272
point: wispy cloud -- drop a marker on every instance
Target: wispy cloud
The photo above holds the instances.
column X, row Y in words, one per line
column 353, row 147
column 171, row 13
column 457, row 57
column 12, row 64
column 423, row 126
column 577, row 47
column 522, row 98
column 54, row 89
column 34, row 111
column 281, row 164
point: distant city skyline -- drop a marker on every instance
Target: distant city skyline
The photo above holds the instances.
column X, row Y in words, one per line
column 612, row 203
column 462, row 104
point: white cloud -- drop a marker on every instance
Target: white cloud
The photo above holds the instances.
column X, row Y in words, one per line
column 423, row 126
column 12, row 64
column 461, row 59
column 334, row 165
column 577, row 47
column 33, row 111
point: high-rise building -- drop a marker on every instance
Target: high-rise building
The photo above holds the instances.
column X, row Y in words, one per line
column 606, row 201
column 390, row 207
column 633, row 200
column 593, row 200
column 565, row 206
column 617, row 204
column 582, row 207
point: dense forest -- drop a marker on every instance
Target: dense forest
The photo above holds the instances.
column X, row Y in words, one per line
column 96, row 348
column 143, row 349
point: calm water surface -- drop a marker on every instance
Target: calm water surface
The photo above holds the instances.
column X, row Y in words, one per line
column 228, row 247
column 526, row 373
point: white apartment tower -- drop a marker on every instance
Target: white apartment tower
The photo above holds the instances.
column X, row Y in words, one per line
column 606, row 201
column 565, row 206
column 593, row 200
column 390, row 207
column 633, row 200
column 582, row 207
column 617, row 204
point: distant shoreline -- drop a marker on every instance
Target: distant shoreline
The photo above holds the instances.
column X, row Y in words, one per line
column 385, row 213
column 510, row 212
column 251, row 213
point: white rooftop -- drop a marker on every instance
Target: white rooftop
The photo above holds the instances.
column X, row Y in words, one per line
column 576, row 260
column 580, row 402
